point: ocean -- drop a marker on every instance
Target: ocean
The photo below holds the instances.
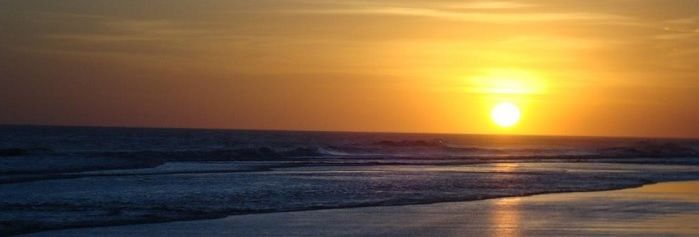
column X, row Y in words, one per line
column 68, row 177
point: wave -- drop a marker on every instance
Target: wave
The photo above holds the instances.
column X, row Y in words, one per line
column 386, row 149
column 16, row 151
column 12, row 152
column 641, row 149
column 237, row 154
column 648, row 149
column 412, row 143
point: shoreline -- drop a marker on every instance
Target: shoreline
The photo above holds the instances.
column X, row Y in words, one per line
column 221, row 217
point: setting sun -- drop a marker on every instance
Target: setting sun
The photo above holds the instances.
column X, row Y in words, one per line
column 505, row 114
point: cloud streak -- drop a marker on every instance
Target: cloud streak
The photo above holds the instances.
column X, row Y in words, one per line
column 490, row 5
column 471, row 16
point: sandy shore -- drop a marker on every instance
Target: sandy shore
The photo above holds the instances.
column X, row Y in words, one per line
column 666, row 209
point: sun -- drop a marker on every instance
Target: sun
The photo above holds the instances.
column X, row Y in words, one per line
column 505, row 114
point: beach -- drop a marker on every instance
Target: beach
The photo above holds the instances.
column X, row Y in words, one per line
column 321, row 183
column 349, row 118
column 664, row 209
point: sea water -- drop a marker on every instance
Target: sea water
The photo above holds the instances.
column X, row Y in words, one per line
column 65, row 177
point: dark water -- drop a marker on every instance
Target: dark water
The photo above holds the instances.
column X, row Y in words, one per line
column 63, row 177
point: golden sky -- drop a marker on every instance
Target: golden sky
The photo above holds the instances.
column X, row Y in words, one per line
column 598, row 67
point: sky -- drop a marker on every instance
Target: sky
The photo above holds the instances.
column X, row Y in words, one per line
column 598, row 68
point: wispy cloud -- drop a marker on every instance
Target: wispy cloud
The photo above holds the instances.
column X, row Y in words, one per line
column 686, row 20
column 474, row 12
column 677, row 36
column 679, row 29
column 485, row 5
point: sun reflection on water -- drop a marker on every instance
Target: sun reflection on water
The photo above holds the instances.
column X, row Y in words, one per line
column 505, row 217
column 505, row 167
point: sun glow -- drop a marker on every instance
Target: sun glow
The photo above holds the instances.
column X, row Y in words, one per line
column 507, row 82
column 505, row 114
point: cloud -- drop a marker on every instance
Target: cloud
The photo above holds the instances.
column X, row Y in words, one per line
column 686, row 20
column 489, row 5
column 680, row 28
column 472, row 16
column 675, row 36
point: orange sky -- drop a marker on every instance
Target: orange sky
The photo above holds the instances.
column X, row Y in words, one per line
column 603, row 67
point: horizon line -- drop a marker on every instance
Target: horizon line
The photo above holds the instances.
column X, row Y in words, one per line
column 347, row 131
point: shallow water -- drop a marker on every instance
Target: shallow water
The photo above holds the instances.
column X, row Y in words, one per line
column 666, row 209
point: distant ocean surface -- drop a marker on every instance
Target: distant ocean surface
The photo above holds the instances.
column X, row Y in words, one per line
column 66, row 177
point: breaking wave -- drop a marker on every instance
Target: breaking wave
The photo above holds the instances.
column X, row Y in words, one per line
column 383, row 149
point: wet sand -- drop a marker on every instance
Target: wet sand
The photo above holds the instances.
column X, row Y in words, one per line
column 665, row 209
